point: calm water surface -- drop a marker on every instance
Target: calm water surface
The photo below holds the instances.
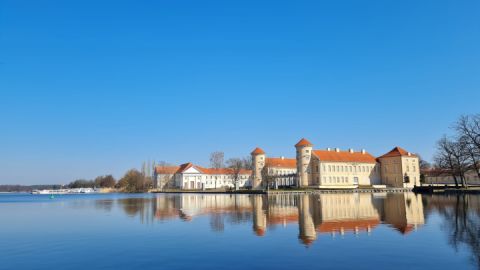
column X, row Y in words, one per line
column 196, row 231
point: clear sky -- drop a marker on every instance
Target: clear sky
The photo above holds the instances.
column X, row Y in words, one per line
column 95, row 87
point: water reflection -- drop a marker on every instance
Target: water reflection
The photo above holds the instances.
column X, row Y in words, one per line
column 321, row 214
column 315, row 214
column 461, row 221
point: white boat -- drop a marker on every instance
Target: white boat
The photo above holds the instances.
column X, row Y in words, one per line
column 65, row 191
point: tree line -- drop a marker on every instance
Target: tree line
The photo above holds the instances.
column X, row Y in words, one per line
column 133, row 181
column 460, row 153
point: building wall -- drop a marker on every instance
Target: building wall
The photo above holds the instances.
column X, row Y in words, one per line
column 278, row 172
column 344, row 174
column 211, row 181
column 164, row 181
column 258, row 165
column 394, row 170
column 336, row 207
column 304, row 155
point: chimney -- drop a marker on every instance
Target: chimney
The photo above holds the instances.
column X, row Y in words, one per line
column 337, row 149
column 350, row 150
column 328, row 149
column 363, row 151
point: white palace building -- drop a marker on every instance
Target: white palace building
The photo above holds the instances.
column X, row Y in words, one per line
column 322, row 169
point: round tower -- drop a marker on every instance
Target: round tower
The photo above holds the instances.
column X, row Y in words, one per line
column 258, row 158
column 304, row 154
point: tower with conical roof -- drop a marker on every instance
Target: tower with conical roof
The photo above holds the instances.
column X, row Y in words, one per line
column 258, row 158
column 304, row 155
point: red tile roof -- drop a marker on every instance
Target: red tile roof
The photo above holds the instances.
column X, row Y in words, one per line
column 344, row 156
column 166, row 169
column 222, row 171
column 259, row 231
column 258, row 151
column 397, row 152
column 303, row 142
column 281, row 163
column 182, row 168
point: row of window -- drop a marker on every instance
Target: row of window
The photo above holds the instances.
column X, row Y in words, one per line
column 335, row 180
column 216, row 177
column 346, row 168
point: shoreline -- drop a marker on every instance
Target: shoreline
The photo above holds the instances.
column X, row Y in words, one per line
column 292, row 191
column 447, row 190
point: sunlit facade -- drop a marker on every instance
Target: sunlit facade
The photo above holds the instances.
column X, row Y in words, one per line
column 336, row 169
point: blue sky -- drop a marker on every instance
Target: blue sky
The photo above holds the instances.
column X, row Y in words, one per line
column 95, row 87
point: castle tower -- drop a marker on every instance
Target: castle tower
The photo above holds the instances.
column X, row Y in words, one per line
column 258, row 157
column 304, row 154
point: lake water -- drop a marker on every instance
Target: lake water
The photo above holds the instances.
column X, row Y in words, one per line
column 199, row 231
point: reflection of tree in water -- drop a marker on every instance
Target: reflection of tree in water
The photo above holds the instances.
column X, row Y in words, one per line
column 217, row 222
column 106, row 204
column 138, row 206
column 462, row 222
column 235, row 214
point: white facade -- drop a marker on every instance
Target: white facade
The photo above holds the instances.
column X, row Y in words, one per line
column 189, row 176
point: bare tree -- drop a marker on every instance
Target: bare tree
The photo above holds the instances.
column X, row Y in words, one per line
column 424, row 166
column 247, row 163
column 217, row 160
column 238, row 165
column 451, row 158
column 267, row 177
column 468, row 132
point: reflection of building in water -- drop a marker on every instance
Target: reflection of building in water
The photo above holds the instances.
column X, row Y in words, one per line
column 166, row 207
column 306, row 225
column 339, row 213
column 404, row 211
column 282, row 209
column 335, row 213
column 259, row 215
column 192, row 205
